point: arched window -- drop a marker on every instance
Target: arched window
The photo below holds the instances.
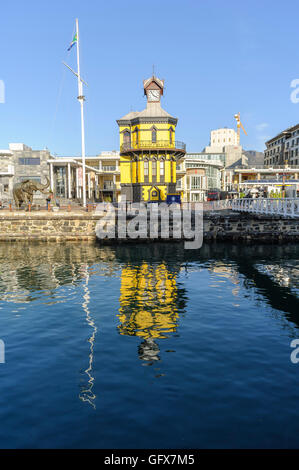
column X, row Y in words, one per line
column 154, row 135
column 154, row 168
column 171, row 135
column 127, row 139
column 145, row 166
column 173, row 168
column 136, row 136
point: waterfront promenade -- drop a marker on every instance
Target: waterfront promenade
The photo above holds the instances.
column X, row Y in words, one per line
column 76, row 224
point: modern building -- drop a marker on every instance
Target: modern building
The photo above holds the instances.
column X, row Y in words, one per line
column 225, row 141
column 18, row 163
column 283, row 148
column 223, row 137
column 149, row 152
column 202, row 173
column 272, row 180
column 102, row 177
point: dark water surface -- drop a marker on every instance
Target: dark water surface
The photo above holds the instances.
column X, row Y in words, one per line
column 148, row 346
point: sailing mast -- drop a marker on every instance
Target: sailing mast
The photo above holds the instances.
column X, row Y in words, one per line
column 81, row 99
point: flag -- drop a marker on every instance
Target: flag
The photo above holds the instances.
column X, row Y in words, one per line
column 73, row 42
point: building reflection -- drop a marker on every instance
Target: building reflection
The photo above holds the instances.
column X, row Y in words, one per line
column 152, row 299
column 150, row 305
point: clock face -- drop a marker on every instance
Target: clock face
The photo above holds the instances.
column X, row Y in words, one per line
column 153, row 95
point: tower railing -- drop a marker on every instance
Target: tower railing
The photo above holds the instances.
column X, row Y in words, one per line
column 148, row 145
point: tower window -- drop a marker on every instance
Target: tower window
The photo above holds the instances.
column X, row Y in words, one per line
column 171, row 135
column 154, row 168
column 145, row 168
column 161, row 168
column 127, row 138
column 154, row 136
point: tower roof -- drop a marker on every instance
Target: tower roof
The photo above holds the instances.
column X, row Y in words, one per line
column 153, row 110
column 151, row 82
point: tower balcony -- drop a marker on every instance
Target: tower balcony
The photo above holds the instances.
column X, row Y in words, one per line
column 175, row 146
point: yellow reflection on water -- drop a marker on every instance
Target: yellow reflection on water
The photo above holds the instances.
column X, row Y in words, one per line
column 148, row 301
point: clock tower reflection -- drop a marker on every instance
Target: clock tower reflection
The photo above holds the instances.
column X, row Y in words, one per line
column 151, row 303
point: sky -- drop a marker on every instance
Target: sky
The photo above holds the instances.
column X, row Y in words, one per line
column 217, row 59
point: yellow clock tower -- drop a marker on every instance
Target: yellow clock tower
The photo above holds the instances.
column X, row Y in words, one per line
column 149, row 152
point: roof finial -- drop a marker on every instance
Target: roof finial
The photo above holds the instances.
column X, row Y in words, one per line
column 153, row 70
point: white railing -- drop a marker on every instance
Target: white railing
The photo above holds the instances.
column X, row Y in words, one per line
column 218, row 205
column 287, row 207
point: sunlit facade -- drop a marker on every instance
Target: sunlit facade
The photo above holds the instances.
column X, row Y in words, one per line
column 149, row 152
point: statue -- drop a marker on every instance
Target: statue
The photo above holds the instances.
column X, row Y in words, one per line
column 23, row 192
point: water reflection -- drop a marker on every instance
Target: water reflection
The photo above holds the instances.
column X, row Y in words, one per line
column 86, row 394
column 151, row 290
column 150, row 304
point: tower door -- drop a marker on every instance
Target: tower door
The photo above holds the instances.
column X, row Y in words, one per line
column 154, row 194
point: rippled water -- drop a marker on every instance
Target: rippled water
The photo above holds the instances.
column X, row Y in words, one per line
column 148, row 346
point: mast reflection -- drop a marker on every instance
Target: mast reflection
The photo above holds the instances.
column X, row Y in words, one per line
column 87, row 394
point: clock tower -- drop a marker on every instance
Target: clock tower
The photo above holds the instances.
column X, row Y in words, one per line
column 149, row 152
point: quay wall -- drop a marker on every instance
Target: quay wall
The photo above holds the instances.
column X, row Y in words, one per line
column 81, row 226
column 48, row 226
column 237, row 226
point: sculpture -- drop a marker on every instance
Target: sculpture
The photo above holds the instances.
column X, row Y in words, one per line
column 23, row 192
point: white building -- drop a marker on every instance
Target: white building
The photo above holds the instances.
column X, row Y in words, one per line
column 223, row 137
column 225, row 141
column 201, row 172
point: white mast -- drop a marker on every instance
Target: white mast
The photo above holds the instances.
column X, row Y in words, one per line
column 81, row 101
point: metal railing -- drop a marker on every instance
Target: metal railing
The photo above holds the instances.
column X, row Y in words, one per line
column 218, row 205
column 148, row 144
column 287, row 207
column 267, row 167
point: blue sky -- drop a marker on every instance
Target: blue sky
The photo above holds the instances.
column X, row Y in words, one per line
column 217, row 58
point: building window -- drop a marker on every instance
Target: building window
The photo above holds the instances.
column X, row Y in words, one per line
column 29, row 161
column 171, row 135
column 25, row 178
column 137, row 136
column 154, row 168
column 154, row 136
column 162, row 168
column 127, row 138
column 109, row 168
column 145, row 168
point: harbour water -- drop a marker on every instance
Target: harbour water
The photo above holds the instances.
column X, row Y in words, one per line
column 149, row 346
